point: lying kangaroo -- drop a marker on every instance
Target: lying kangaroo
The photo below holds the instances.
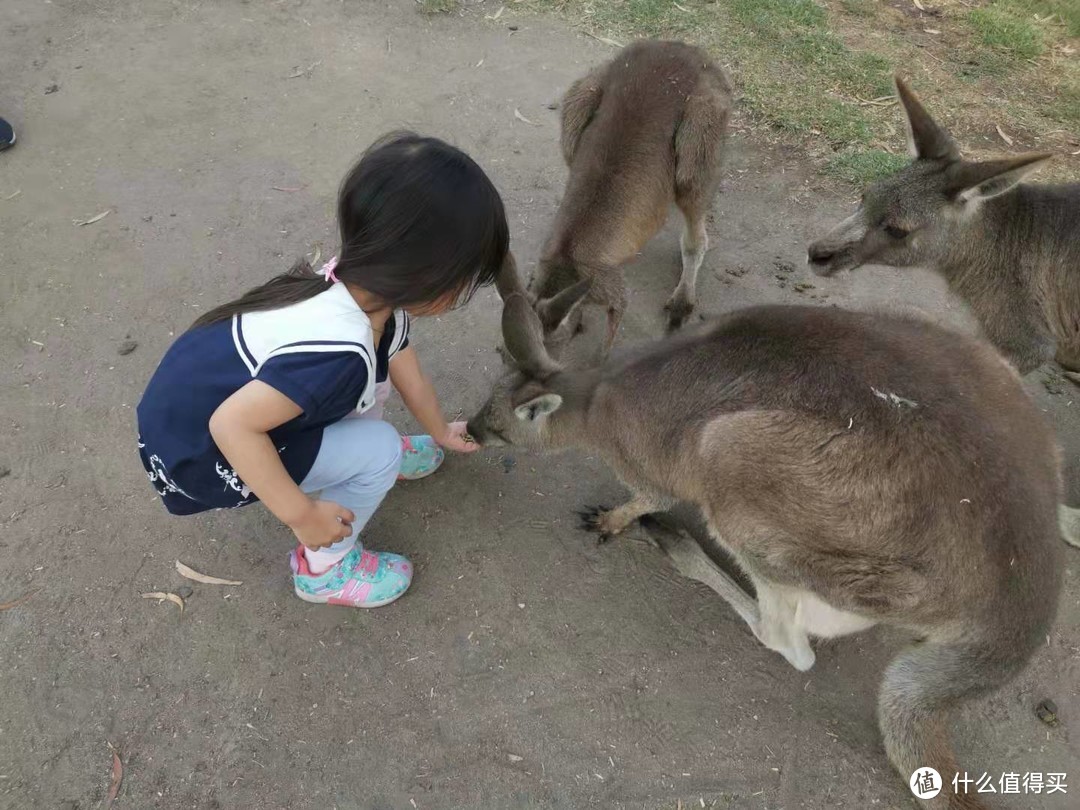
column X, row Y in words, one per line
column 1011, row 251
column 639, row 133
column 861, row 469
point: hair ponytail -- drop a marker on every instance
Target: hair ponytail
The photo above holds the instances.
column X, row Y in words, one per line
column 298, row 284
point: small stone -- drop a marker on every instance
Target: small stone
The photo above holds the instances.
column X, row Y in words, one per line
column 52, row 88
column 508, row 463
column 512, row 27
column 5, row 471
column 184, row 591
column 126, row 347
column 1047, row 712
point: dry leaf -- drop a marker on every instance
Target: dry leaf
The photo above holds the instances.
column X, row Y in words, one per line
column 92, row 220
column 161, row 596
column 919, row 5
column 931, row 31
column 605, row 40
column 515, row 758
column 478, row 64
column 317, row 257
column 496, row 15
column 191, row 573
column 1004, row 137
column 305, row 71
column 13, row 195
column 289, row 189
column 17, row 602
column 117, row 776
column 520, row 117
column 680, row 8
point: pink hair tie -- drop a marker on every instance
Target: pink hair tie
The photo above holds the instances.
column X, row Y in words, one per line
column 328, row 270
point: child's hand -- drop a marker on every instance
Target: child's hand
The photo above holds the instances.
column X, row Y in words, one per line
column 323, row 525
column 458, row 439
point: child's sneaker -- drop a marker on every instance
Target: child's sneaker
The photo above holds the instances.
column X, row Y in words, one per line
column 420, row 457
column 363, row 579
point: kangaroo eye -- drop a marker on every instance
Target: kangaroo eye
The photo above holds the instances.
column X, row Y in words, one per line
column 894, row 232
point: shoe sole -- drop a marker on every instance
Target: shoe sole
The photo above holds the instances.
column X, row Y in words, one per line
column 325, row 600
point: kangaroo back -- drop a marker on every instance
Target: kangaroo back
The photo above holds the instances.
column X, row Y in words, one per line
column 639, row 133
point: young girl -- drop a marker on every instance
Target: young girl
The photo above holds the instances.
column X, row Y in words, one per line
column 254, row 402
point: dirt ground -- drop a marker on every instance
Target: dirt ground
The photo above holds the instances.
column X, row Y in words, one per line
column 527, row 667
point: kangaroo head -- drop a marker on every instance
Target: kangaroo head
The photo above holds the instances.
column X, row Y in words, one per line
column 910, row 218
column 516, row 411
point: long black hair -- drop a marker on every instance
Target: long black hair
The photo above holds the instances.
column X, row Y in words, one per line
column 420, row 222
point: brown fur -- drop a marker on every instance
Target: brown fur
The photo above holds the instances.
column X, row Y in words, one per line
column 639, row 133
column 860, row 468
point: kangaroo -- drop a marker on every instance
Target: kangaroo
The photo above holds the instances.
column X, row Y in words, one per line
column 861, row 469
column 639, row 133
column 1010, row 250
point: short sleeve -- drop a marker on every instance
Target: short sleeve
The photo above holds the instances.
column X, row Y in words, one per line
column 402, row 323
column 326, row 385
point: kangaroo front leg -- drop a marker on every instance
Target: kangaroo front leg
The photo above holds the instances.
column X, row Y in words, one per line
column 610, row 522
column 693, row 563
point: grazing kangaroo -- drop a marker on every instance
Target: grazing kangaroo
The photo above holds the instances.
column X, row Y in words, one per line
column 1011, row 251
column 639, row 133
column 861, row 469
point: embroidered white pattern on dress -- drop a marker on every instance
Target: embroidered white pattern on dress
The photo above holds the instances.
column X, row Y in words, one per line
column 159, row 477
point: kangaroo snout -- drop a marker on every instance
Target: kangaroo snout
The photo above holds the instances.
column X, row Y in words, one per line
column 821, row 256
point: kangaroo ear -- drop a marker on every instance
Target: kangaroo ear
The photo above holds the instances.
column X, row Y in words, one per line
column 556, row 310
column 926, row 140
column 524, row 338
column 508, row 282
column 980, row 181
column 532, row 402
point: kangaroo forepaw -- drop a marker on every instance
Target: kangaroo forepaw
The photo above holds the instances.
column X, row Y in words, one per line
column 598, row 519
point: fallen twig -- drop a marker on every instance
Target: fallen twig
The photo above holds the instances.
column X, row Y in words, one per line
column 16, row 602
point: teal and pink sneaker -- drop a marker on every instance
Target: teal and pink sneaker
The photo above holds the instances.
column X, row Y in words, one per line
column 420, row 457
column 365, row 579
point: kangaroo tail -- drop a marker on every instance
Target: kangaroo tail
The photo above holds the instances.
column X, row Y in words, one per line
column 921, row 685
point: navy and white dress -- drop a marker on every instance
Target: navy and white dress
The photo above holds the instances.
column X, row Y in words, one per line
column 320, row 353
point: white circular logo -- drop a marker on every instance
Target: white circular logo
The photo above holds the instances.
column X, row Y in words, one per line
column 925, row 783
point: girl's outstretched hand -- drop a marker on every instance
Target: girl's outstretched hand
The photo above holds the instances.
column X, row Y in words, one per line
column 458, row 439
column 323, row 525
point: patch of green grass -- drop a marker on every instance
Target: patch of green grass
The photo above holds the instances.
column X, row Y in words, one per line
column 1000, row 28
column 1065, row 13
column 433, row 7
column 862, row 167
column 1066, row 105
column 806, row 68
